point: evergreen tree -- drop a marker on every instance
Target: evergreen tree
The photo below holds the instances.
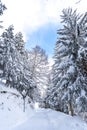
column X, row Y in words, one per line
column 2, row 8
column 68, row 73
column 16, row 68
column 7, row 38
column 19, row 42
column 2, row 48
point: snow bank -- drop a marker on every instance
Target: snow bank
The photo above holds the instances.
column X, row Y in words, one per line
column 11, row 105
column 12, row 116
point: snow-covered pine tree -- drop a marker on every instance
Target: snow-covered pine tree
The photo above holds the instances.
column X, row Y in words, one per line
column 2, row 8
column 16, row 68
column 81, row 81
column 48, row 100
column 7, row 38
column 67, row 75
column 19, row 42
column 52, row 100
column 2, row 49
column 2, row 54
column 40, row 69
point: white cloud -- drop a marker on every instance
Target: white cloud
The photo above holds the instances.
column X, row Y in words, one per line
column 29, row 15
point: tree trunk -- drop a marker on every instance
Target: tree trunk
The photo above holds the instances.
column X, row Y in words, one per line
column 24, row 105
column 70, row 109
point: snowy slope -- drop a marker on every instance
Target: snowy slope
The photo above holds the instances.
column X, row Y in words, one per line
column 11, row 112
column 12, row 116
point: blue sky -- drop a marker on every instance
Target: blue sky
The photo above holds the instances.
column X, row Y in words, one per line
column 45, row 37
column 38, row 20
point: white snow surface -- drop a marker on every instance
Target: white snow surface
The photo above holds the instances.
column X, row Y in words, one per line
column 12, row 116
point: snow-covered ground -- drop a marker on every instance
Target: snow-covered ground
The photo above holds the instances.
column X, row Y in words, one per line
column 51, row 120
column 12, row 116
column 11, row 105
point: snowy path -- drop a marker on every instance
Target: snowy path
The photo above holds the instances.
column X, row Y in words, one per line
column 39, row 121
column 51, row 120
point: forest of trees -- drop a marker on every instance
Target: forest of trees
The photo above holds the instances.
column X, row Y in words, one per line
column 64, row 87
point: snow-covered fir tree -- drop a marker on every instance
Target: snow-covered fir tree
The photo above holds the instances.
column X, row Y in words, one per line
column 7, row 38
column 2, row 49
column 19, row 42
column 16, row 68
column 2, row 8
column 48, row 91
column 69, row 81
